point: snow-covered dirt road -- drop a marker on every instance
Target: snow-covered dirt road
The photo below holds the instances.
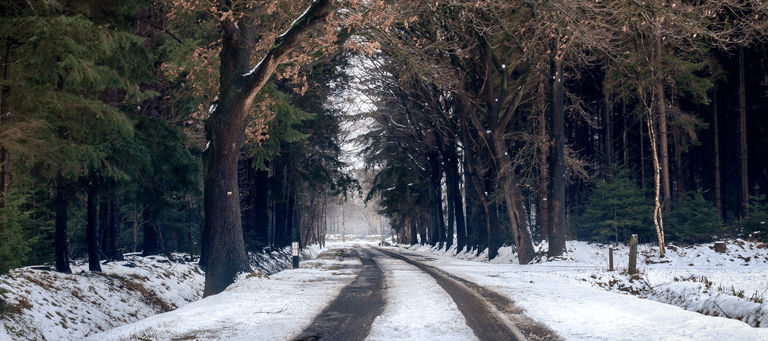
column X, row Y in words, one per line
column 462, row 311
column 569, row 296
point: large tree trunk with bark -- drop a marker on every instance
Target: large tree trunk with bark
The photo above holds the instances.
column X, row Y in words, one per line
column 557, row 202
column 223, row 250
column 542, row 165
column 514, row 200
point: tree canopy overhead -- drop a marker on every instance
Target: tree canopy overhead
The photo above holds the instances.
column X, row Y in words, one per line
column 216, row 126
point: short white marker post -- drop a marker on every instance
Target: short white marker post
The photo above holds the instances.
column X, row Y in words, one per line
column 610, row 258
column 295, row 252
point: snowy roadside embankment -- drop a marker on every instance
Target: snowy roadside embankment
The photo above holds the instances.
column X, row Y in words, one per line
column 47, row 305
column 696, row 278
column 39, row 304
column 256, row 307
column 733, row 284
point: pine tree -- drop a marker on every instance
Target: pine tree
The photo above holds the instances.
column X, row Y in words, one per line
column 67, row 65
column 15, row 244
column 615, row 210
column 755, row 226
column 693, row 220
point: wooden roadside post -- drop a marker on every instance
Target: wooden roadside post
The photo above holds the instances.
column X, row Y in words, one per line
column 610, row 258
column 632, row 267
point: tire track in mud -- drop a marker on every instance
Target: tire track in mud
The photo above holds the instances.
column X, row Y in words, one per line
column 350, row 315
column 490, row 315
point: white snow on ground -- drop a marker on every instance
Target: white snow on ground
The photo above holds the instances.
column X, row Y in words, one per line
column 407, row 317
column 578, row 298
column 273, row 307
column 47, row 305
column 574, row 295
column 37, row 304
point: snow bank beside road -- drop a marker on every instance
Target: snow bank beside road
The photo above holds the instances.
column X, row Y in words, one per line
column 47, row 305
column 256, row 307
column 581, row 300
column 39, row 304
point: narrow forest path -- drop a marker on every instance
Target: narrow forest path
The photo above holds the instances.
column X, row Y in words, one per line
column 378, row 305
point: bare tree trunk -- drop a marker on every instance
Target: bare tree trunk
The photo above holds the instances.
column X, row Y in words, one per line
column 61, row 247
column 743, row 148
column 504, row 171
column 469, row 190
column 658, row 221
column 642, row 158
column 92, row 231
column 678, row 187
column 663, row 147
column 543, row 168
column 513, row 198
column 716, row 154
column 608, row 127
column 437, row 224
column 455, row 202
column 557, row 200
column 109, row 223
column 624, row 134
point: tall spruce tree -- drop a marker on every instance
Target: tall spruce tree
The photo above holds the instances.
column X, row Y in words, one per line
column 62, row 62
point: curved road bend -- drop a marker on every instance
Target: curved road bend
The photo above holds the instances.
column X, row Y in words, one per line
column 350, row 315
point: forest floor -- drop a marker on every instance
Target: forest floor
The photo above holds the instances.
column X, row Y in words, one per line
column 575, row 296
